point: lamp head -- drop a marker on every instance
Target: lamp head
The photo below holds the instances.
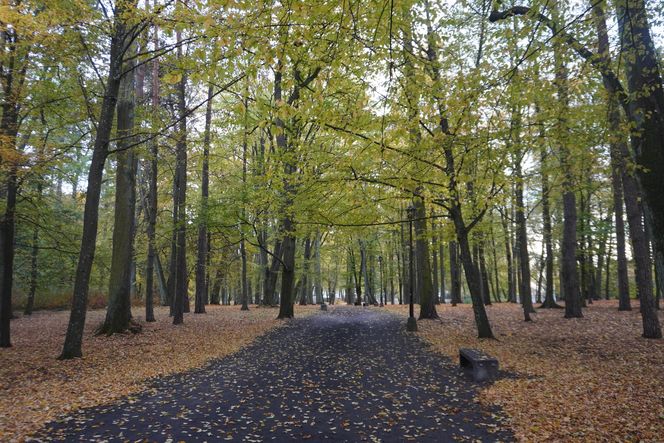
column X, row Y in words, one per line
column 411, row 212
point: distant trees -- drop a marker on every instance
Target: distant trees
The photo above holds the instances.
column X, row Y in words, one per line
column 645, row 112
column 270, row 161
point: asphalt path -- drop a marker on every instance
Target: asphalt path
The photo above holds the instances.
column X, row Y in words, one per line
column 349, row 374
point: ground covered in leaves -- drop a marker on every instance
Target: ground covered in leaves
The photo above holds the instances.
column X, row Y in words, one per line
column 588, row 379
column 348, row 374
column 36, row 388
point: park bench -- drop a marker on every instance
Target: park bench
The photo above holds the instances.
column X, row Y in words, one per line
column 483, row 366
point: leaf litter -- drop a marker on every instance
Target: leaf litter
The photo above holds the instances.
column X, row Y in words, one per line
column 36, row 388
column 588, row 379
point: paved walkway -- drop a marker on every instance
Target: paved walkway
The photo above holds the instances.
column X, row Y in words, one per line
column 349, row 374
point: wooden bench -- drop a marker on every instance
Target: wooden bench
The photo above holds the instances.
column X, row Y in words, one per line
column 483, row 366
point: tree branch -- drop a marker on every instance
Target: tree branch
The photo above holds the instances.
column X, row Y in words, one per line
column 611, row 80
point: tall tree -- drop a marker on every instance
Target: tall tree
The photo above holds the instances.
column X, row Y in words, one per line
column 180, row 274
column 151, row 201
column 547, row 234
column 643, row 104
column 121, row 38
column 243, row 211
column 444, row 138
column 203, row 250
column 118, row 310
column 13, row 65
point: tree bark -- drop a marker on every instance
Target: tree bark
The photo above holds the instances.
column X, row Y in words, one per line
column 13, row 76
column 434, row 264
column 271, row 274
column 569, row 244
column 118, row 311
column 306, row 281
column 441, row 254
column 318, row 277
column 74, row 335
column 152, row 199
column 34, row 256
column 549, row 300
column 180, row 286
column 631, row 187
column 511, row 286
column 455, row 278
column 202, row 256
column 288, row 242
column 646, row 114
column 425, row 288
column 522, row 235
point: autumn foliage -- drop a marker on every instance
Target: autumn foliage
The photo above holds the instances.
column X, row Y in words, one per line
column 583, row 379
column 36, row 388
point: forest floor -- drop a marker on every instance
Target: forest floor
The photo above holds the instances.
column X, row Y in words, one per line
column 35, row 388
column 587, row 379
column 348, row 374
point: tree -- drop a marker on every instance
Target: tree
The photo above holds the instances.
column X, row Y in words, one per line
column 643, row 110
column 122, row 35
column 203, row 254
column 118, row 311
column 15, row 57
column 151, row 202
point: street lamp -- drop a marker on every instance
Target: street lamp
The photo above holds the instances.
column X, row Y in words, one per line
column 382, row 292
column 411, row 325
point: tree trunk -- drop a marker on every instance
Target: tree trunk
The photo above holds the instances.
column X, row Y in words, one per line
column 494, row 257
column 288, row 242
column 434, row 264
column 287, row 273
column 486, row 292
column 522, row 240
column 74, row 335
column 441, row 254
column 180, row 296
column 245, row 281
column 306, row 281
column 152, row 199
column 202, row 256
column 404, row 271
column 357, row 278
column 215, row 294
column 34, row 256
column 569, row 244
column 271, row 274
column 646, row 104
column 511, row 286
column 118, row 311
column 472, row 278
column 318, row 277
column 170, row 283
column 13, row 76
column 7, row 233
column 547, row 236
column 425, row 288
column 455, row 278
column 162, row 284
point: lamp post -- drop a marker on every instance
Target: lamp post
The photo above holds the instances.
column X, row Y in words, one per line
column 411, row 325
column 382, row 292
